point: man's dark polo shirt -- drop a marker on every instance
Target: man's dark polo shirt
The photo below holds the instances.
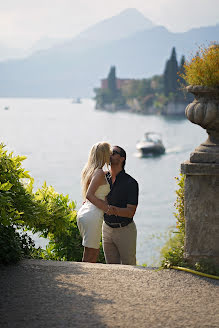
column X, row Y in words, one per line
column 123, row 191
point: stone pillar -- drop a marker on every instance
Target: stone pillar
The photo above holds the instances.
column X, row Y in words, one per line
column 202, row 180
column 201, row 211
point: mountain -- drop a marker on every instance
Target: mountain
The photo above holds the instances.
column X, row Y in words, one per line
column 123, row 25
column 7, row 52
column 74, row 68
column 46, row 43
column 128, row 22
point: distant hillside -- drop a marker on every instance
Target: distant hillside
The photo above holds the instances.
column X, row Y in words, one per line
column 46, row 43
column 7, row 52
column 76, row 67
column 128, row 22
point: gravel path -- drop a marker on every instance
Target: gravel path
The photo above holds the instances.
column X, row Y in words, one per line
column 37, row 293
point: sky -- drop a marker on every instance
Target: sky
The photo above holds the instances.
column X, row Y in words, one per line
column 23, row 22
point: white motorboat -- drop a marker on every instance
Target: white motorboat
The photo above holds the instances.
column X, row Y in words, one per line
column 151, row 144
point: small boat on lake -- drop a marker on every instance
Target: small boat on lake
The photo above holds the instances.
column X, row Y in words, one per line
column 76, row 101
column 6, row 108
column 151, row 144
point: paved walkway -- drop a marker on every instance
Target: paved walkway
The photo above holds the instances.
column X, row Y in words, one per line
column 37, row 293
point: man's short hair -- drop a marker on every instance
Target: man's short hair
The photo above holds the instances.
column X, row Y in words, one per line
column 122, row 154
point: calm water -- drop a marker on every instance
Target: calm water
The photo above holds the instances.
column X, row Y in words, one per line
column 57, row 135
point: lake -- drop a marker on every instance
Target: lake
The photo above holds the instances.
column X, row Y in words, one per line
column 56, row 136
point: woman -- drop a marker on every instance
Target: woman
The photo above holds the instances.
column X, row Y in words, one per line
column 95, row 187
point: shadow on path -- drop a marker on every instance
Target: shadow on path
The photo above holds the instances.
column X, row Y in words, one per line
column 48, row 296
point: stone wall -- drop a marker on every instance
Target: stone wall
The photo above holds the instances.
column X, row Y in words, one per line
column 201, row 211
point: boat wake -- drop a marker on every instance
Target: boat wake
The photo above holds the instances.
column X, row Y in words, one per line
column 169, row 151
column 174, row 150
column 139, row 154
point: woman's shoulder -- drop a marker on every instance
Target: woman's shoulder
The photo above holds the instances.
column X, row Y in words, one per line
column 98, row 172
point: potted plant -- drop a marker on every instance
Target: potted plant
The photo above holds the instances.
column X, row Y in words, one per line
column 202, row 75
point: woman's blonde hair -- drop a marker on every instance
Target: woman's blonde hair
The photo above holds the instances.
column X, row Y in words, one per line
column 98, row 157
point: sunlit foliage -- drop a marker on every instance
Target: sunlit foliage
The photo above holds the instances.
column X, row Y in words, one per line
column 203, row 68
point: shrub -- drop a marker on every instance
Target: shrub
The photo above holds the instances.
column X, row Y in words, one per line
column 14, row 245
column 203, row 69
column 10, row 245
column 60, row 227
column 172, row 252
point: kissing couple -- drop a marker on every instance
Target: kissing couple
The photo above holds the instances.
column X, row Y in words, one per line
column 110, row 201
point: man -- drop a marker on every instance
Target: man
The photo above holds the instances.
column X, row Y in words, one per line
column 119, row 230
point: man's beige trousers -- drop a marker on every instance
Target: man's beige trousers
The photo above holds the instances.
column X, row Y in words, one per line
column 119, row 244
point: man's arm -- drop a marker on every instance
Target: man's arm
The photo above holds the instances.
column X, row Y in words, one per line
column 132, row 201
column 127, row 212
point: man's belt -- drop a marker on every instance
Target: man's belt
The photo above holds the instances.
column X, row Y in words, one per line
column 117, row 225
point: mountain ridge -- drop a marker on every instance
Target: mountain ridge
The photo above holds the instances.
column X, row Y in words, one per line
column 76, row 67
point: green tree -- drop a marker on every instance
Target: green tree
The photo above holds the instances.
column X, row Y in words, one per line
column 167, row 78
column 170, row 74
column 111, row 81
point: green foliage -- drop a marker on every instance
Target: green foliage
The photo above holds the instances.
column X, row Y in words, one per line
column 14, row 245
column 13, row 193
column 60, row 226
column 137, row 89
column 103, row 96
column 111, row 81
column 206, row 266
column 181, row 71
column 170, row 74
column 172, row 252
column 144, row 265
column 179, row 205
column 10, row 246
column 160, row 100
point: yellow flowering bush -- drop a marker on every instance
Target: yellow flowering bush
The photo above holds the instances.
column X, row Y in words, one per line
column 203, row 68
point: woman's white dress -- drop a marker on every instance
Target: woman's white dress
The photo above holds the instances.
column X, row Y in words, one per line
column 90, row 219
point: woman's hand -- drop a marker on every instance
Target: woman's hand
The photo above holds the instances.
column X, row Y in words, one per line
column 127, row 212
column 114, row 209
column 111, row 210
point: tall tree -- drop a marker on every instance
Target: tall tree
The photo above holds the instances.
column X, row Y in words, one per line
column 170, row 74
column 174, row 71
column 111, row 80
column 167, row 78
